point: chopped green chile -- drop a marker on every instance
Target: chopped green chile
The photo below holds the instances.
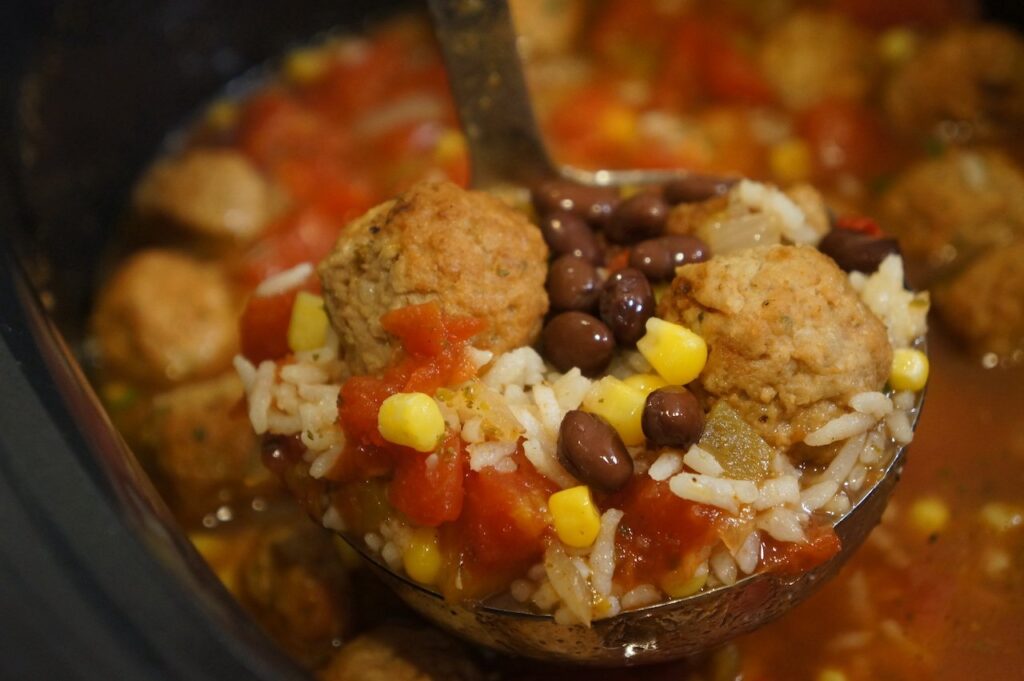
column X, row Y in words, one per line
column 735, row 445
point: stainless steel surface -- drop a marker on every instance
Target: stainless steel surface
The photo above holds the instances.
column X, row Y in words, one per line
column 506, row 150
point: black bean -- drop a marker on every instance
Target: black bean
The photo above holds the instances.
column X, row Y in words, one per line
column 639, row 217
column 577, row 339
column 659, row 258
column 573, row 284
column 672, row 417
column 626, row 303
column 568, row 234
column 695, row 188
column 593, row 204
column 856, row 251
column 593, row 452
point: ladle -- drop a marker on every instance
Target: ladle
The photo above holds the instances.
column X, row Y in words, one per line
column 506, row 149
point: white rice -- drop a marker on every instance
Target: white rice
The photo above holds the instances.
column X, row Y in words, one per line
column 640, row 596
column 703, row 462
column 903, row 312
column 665, row 466
column 841, row 428
column 767, row 199
column 602, row 555
column 490, row 454
column 284, row 281
column 782, row 524
column 872, row 403
column 723, row 493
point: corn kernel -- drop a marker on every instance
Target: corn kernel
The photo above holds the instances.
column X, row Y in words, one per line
column 929, row 515
column 621, row 405
column 646, row 383
column 897, row 45
column 618, row 124
column 307, row 329
column 790, row 161
column 576, row 519
column 222, row 115
column 422, row 557
column 909, row 369
column 831, row 674
column 675, row 352
column 678, row 584
column 304, row 66
column 1002, row 517
column 450, row 146
column 412, row 420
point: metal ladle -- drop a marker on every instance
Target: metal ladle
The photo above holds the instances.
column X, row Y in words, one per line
column 505, row 148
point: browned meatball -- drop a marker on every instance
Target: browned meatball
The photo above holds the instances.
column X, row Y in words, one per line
column 166, row 317
column 209, row 192
column 962, row 201
column 402, row 653
column 812, row 55
column 205, row 446
column 466, row 250
column 789, row 341
column 296, row 586
column 984, row 304
column 973, row 74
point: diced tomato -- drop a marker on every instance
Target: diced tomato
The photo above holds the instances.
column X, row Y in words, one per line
column 796, row 557
column 844, row 137
column 705, row 58
column 732, row 75
column 264, row 322
column 501, row 531
column 429, row 494
column 659, row 530
column 859, row 223
column 302, row 236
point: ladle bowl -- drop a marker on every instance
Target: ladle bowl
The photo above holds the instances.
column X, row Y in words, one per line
column 507, row 151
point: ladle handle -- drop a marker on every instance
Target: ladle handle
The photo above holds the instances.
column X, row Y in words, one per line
column 478, row 42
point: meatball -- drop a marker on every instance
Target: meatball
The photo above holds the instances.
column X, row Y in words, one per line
column 984, row 304
column 295, row 584
column 966, row 200
column 206, row 448
column 789, row 341
column 815, row 55
column 973, row 74
column 166, row 317
column 547, row 28
column 466, row 250
column 209, row 192
column 402, row 653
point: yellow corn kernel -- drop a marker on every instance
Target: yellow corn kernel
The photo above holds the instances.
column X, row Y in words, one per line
column 222, row 115
column 307, row 329
column 909, row 369
column 618, row 124
column 897, row 45
column 675, row 352
column 422, row 557
column 1001, row 516
column 831, row 674
column 646, row 383
column 304, row 66
column 576, row 519
column 929, row 515
column 412, row 420
column 621, row 405
column 451, row 145
column 679, row 585
column 790, row 161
